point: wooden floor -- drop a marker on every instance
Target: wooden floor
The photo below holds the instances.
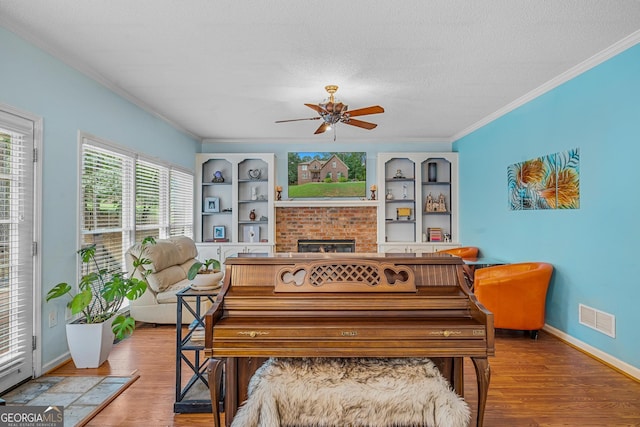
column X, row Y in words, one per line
column 533, row 383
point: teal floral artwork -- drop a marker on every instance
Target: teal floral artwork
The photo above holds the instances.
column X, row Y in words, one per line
column 547, row 182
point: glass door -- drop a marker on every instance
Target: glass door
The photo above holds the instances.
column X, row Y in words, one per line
column 16, row 248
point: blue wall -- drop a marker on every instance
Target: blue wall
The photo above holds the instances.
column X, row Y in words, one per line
column 591, row 247
column 69, row 101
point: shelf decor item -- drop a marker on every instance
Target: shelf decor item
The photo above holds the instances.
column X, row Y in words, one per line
column 442, row 206
column 435, row 206
column 435, row 234
column 254, row 174
column 279, row 192
column 252, row 215
column 432, row 172
column 373, row 191
column 218, row 232
column 217, row 177
column 252, row 234
column 211, row 204
column 403, row 212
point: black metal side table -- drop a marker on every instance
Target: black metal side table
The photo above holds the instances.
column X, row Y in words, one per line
column 194, row 397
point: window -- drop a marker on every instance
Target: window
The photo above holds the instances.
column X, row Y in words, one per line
column 180, row 203
column 125, row 198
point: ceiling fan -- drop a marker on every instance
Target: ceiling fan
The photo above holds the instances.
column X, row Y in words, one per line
column 332, row 112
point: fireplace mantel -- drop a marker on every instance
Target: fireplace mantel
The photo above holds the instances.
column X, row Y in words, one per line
column 324, row 203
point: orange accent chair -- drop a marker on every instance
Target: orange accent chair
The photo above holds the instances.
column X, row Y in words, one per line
column 515, row 294
column 462, row 252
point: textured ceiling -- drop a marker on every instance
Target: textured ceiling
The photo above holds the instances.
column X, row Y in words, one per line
column 226, row 70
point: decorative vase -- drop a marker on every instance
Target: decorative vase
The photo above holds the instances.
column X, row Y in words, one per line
column 252, row 215
column 90, row 343
column 432, row 172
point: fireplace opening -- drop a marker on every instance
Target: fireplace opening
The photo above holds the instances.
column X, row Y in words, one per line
column 328, row 245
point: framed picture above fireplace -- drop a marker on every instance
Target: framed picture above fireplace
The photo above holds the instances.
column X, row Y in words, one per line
column 321, row 175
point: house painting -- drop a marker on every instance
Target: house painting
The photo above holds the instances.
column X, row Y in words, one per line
column 317, row 170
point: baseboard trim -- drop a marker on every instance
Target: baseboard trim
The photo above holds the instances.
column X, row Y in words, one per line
column 616, row 364
column 56, row 363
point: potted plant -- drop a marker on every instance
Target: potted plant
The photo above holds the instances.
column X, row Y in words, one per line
column 209, row 266
column 98, row 299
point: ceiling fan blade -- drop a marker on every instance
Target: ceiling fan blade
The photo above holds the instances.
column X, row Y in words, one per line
column 323, row 127
column 360, row 124
column 375, row 109
column 297, row 120
column 317, row 108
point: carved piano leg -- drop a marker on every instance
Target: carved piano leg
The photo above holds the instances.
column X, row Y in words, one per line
column 483, row 375
column 214, row 374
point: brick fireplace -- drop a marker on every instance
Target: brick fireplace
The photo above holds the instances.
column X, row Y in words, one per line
column 322, row 222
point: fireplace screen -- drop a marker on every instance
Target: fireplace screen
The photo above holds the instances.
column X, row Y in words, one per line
column 326, row 245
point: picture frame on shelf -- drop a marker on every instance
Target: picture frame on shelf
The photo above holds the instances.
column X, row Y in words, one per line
column 219, row 232
column 211, row 204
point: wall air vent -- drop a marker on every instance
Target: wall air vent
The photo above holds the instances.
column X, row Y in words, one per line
column 598, row 320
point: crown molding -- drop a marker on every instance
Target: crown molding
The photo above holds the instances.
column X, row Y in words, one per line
column 572, row 73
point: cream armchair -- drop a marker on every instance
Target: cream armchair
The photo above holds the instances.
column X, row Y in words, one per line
column 170, row 262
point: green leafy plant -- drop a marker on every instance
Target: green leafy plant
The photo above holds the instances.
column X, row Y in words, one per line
column 101, row 293
column 203, row 267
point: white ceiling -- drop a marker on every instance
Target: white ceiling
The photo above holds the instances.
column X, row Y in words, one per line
column 225, row 70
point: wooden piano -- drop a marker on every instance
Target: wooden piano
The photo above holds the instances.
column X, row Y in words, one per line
column 345, row 305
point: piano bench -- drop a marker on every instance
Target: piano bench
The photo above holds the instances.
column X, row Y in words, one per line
column 351, row 392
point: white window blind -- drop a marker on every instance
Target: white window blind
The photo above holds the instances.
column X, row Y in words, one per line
column 105, row 219
column 16, row 237
column 151, row 200
column 126, row 198
column 181, row 204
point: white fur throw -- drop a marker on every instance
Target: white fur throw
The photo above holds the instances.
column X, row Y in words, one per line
column 372, row 392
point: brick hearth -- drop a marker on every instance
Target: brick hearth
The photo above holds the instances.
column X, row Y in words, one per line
column 358, row 223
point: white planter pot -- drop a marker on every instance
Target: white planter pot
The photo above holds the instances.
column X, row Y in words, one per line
column 90, row 344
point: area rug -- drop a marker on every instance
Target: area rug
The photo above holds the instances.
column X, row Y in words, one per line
column 82, row 397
